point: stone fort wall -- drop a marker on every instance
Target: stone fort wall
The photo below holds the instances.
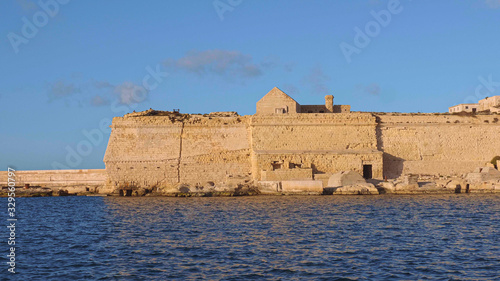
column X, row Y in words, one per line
column 326, row 143
column 165, row 150
column 437, row 144
column 162, row 151
column 57, row 178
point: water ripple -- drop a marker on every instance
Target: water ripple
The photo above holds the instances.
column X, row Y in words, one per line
column 444, row 237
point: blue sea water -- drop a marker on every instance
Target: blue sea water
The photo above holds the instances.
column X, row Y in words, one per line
column 438, row 237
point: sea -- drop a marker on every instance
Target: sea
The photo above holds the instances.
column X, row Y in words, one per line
column 385, row 237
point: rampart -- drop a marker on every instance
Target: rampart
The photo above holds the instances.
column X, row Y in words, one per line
column 326, row 143
column 436, row 144
column 57, row 178
column 166, row 149
column 163, row 150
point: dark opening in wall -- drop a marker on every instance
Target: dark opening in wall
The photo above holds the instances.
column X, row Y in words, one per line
column 276, row 165
column 367, row 171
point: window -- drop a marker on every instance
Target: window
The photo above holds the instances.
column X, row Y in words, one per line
column 276, row 165
column 280, row 110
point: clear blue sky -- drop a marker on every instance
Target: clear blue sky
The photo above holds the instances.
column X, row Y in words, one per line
column 68, row 67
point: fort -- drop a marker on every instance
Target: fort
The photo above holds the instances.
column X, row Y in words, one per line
column 286, row 146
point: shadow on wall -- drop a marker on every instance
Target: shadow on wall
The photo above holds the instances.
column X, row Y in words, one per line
column 378, row 132
column 393, row 166
column 315, row 170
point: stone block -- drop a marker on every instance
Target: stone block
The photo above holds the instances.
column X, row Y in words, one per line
column 345, row 178
column 302, row 186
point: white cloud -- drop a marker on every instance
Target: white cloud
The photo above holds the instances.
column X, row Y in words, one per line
column 317, row 79
column 103, row 84
column 494, row 4
column 99, row 101
column 218, row 62
column 373, row 89
column 130, row 93
column 61, row 89
column 370, row 89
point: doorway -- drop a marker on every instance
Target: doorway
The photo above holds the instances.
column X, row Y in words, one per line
column 367, row 171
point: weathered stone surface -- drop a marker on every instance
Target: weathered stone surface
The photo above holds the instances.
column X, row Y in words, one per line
column 434, row 186
column 386, row 187
column 302, row 187
column 410, row 179
column 30, row 192
column 345, row 178
column 269, row 187
column 483, row 174
column 489, row 186
column 349, row 183
column 363, row 189
column 436, row 144
column 58, row 178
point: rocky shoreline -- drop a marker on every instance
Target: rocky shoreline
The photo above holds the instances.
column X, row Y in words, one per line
column 481, row 180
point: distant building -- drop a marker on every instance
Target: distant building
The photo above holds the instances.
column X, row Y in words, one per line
column 490, row 104
column 464, row 107
column 277, row 102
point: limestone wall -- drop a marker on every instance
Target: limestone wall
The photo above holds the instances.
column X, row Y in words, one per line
column 143, row 151
column 169, row 149
column 437, row 144
column 327, row 143
column 162, row 150
column 301, row 132
column 214, row 150
column 287, row 174
column 320, row 161
column 56, row 178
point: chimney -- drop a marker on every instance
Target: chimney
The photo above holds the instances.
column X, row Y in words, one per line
column 329, row 103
